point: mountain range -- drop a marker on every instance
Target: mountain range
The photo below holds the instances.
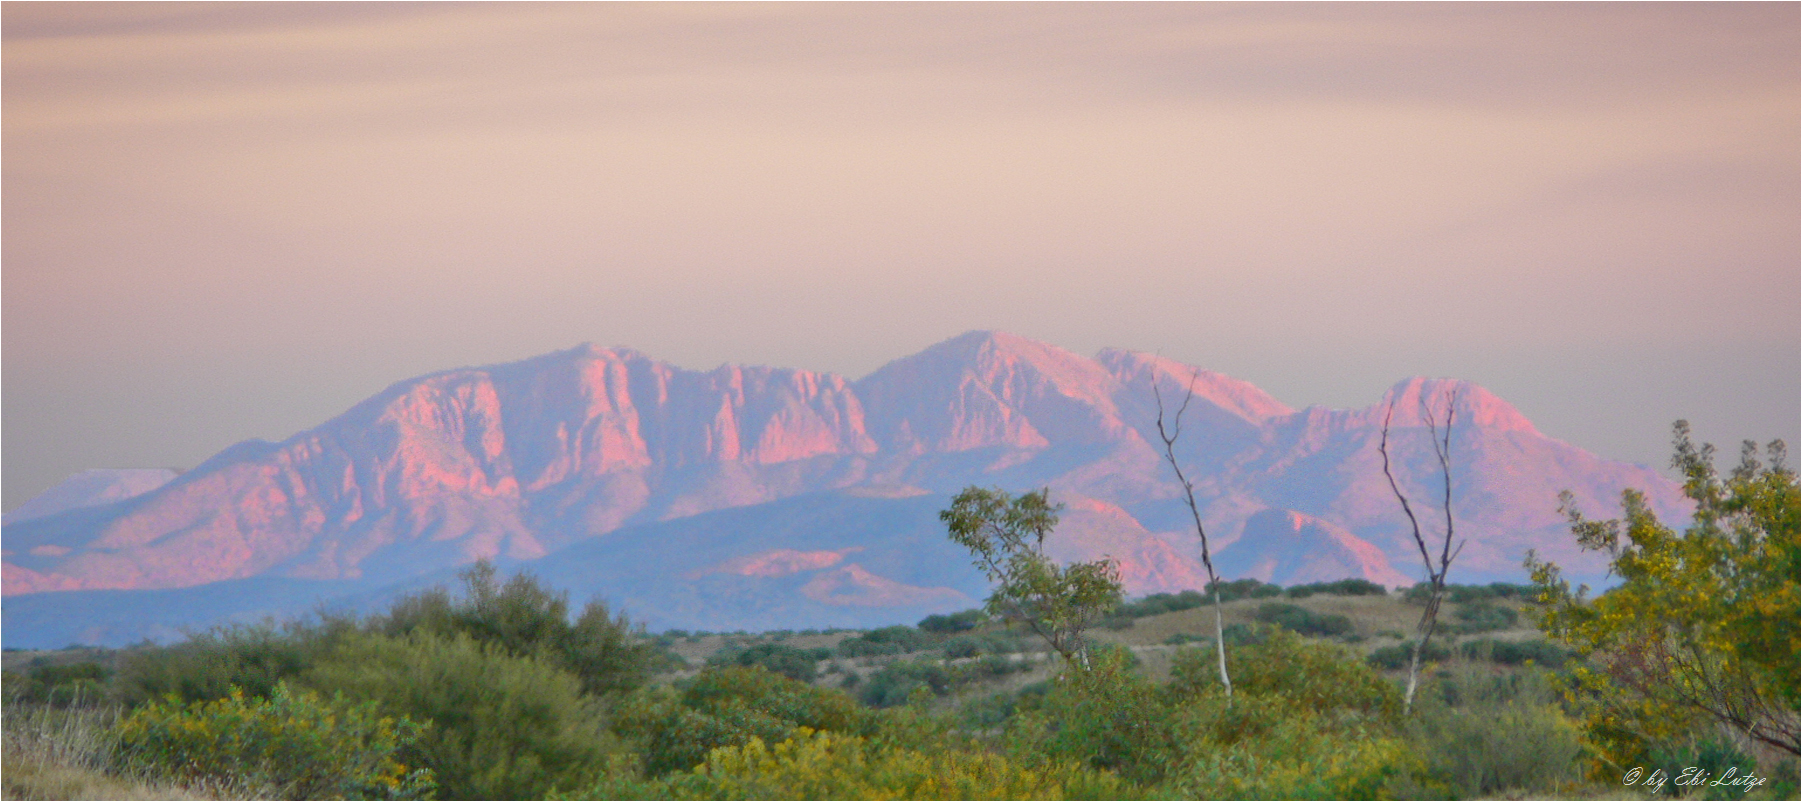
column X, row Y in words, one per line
column 750, row 497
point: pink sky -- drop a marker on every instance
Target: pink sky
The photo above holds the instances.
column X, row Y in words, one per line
column 231, row 221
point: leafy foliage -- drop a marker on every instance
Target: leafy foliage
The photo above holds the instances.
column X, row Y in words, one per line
column 789, row 661
column 1244, row 589
column 1514, row 653
column 1007, row 537
column 727, row 707
column 1465, row 594
column 210, row 665
column 295, row 743
column 1485, row 616
column 76, row 684
column 822, row 765
column 522, row 618
column 1396, row 658
column 1320, row 676
column 895, row 683
column 887, row 640
column 1704, row 625
column 504, row 726
column 955, row 622
column 1343, row 587
column 1482, row 735
column 1303, row 621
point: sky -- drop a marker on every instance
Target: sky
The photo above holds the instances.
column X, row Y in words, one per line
column 228, row 221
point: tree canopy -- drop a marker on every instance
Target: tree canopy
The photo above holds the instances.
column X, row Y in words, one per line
column 1704, row 623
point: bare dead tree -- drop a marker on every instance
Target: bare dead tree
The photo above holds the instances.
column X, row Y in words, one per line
column 1436, row 568
column 1170, row 436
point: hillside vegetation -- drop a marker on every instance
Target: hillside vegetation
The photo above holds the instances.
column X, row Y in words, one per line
column 1679, row 682
column 500, row 692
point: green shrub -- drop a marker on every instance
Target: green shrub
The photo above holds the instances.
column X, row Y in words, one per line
column 1271, row 746
column 895, row 683
column 887, row 640
column 723, row 707
column 208, row 666
column 1303, row 621
column 955, row 622
column 1343, row 587
column 1319, row 676
column 1484, row 616
column 503, row 726
column 294, row 743
column 1397, row 657
column 1463, row 594
column 76, row 684
column 1514, row 653
column 524, row 618
column 1243, row 589
column 789, row 661
column 1160, row 603
column 1703, row 750
column 1484, row 735
column 1109, row 717
column 819, row 765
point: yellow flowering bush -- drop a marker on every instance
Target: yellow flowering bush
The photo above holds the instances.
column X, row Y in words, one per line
column 822, row 765
column 295, row 743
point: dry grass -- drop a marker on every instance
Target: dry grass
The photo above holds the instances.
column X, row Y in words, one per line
column 50, row 753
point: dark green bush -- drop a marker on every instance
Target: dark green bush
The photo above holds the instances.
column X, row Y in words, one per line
column 1461, row 594
column 1484, row 735
column 209, row 665
column 1110, row 717
column 523, row 618
column 896, row 682
column 789, row 661
column 1706, row 751
column 73, row 684
column 1160, row 603
column 1514, row 653
column 887, row 640
column 675, row 729
column 1483, row 616
column 1343, row 587
column 1318, row 675
column 1302, row 620
column 503, row 726
column 955, row 622
column 1397, row 657
column 1244, row 589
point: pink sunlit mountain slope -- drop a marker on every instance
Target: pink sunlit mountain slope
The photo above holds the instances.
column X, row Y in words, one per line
column 563, row 454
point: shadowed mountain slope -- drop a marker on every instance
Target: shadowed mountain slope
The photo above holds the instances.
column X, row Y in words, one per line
column 563, row 457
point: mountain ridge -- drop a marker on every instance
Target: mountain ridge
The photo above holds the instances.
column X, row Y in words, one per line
column 523, row 460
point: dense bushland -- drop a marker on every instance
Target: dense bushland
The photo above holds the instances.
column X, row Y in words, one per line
column 502, row 691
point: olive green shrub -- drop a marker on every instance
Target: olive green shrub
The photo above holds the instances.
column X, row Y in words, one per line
column 294, row 743
column 822, row 765
column 503, row 726
column 729, row 706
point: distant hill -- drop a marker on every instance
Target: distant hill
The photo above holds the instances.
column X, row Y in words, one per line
column 775, row 497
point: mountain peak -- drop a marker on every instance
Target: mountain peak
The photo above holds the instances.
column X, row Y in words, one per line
column 1475, row 404
column 1240, row 397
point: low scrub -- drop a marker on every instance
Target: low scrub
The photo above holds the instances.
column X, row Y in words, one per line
column 822, row 765
column 1343, row 587
column 1303, row 621
column 503, row 726
column 294, row 743
column 1483, row 735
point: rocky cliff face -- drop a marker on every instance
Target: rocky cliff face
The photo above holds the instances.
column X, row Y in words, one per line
column 527, row 459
